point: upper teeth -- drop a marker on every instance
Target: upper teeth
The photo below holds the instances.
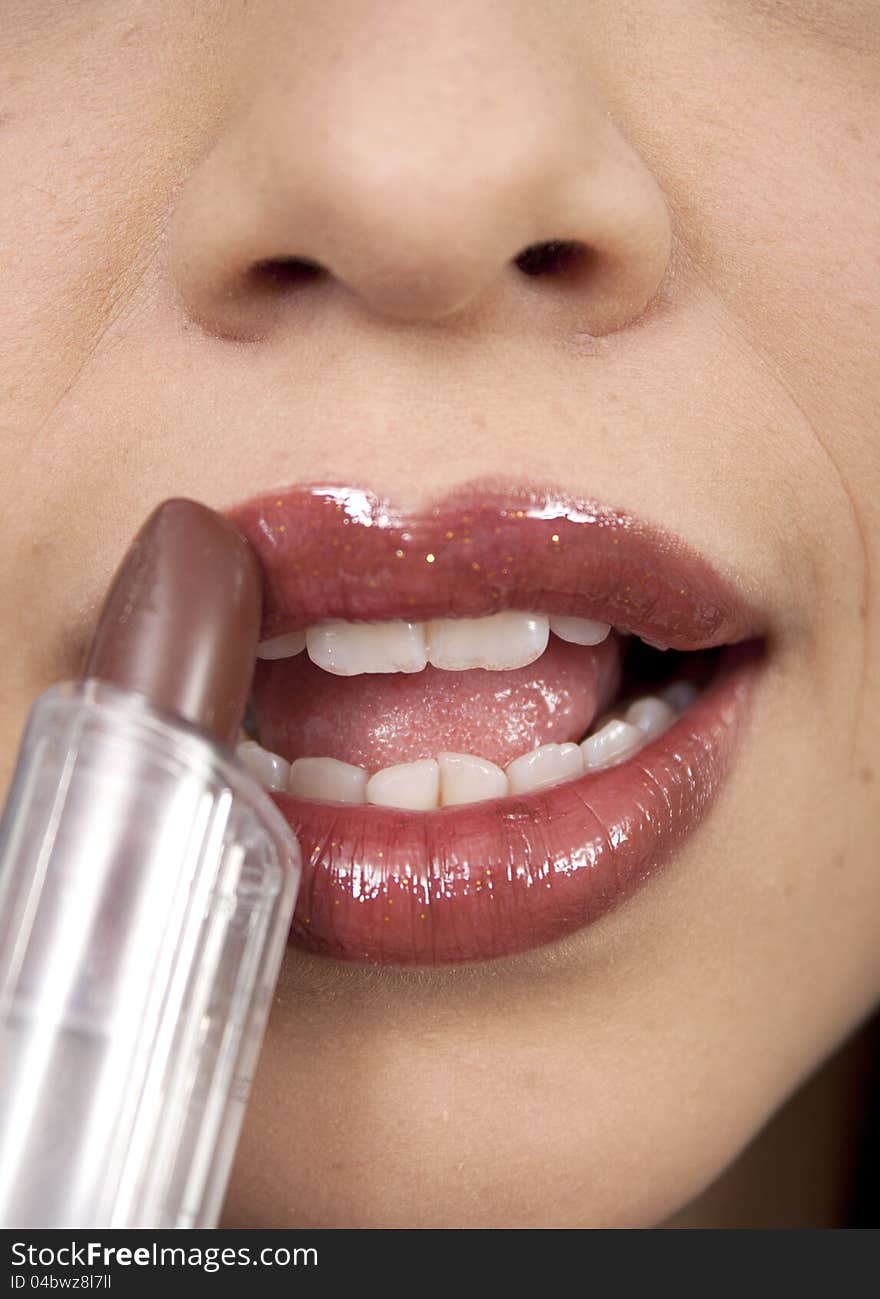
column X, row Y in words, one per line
column 454, row 778
column 500, row 641
column 503, row 640
column 580, row 631
column 347, row 649
column 282, row 647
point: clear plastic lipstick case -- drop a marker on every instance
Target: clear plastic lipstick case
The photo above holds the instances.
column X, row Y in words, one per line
column 147, row 884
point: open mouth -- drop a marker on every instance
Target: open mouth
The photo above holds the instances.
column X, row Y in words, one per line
column 487, row 723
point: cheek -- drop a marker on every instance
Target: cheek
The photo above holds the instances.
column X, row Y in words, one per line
column 773, row 189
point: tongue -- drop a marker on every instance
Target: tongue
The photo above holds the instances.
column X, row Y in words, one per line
column 376, row 720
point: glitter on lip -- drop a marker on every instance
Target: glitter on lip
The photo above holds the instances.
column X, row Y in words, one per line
column 338, row 557
column 484, row 880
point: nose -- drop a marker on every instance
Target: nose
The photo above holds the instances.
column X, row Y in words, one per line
column 425, row 160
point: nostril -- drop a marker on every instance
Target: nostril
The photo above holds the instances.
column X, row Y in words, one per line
column 562, row 258
column 282, row 272
column 553, row 257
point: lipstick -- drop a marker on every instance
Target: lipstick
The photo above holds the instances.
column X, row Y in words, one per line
column 487, row 879
column 147, row 884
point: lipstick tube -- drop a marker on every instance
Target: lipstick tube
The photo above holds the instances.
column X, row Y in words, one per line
column 147, row 884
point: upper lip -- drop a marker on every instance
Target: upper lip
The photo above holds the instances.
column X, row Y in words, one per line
column 341, row 552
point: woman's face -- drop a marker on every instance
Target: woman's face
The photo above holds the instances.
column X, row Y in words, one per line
column 709, row 367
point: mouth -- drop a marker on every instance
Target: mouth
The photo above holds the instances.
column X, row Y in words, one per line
column 488, row 722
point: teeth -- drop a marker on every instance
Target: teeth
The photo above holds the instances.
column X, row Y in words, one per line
column 282, row 647
column 270, row 769
column 544, row 767
column 347, row 648
column 580, row 631
column 457, row 778
column 411, row 785
column 615, row 741
column 328, row 779
column 503, row 640
column 650, row 715
column 498, row 642
column 466, row 779
column 680, row 695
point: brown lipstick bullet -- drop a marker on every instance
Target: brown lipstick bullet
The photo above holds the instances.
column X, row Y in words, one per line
column 181, row 620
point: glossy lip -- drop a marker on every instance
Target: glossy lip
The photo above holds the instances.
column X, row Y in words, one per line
column 341, row 552
column 489, row 879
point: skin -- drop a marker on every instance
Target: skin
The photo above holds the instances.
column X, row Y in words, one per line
column 713, row 368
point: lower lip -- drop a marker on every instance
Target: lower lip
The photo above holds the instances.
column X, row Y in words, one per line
column 484, row 880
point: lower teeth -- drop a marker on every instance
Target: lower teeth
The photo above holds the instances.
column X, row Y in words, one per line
column 455, row 778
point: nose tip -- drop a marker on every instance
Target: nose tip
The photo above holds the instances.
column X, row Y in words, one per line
column 419, row 203
column 411, row 274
